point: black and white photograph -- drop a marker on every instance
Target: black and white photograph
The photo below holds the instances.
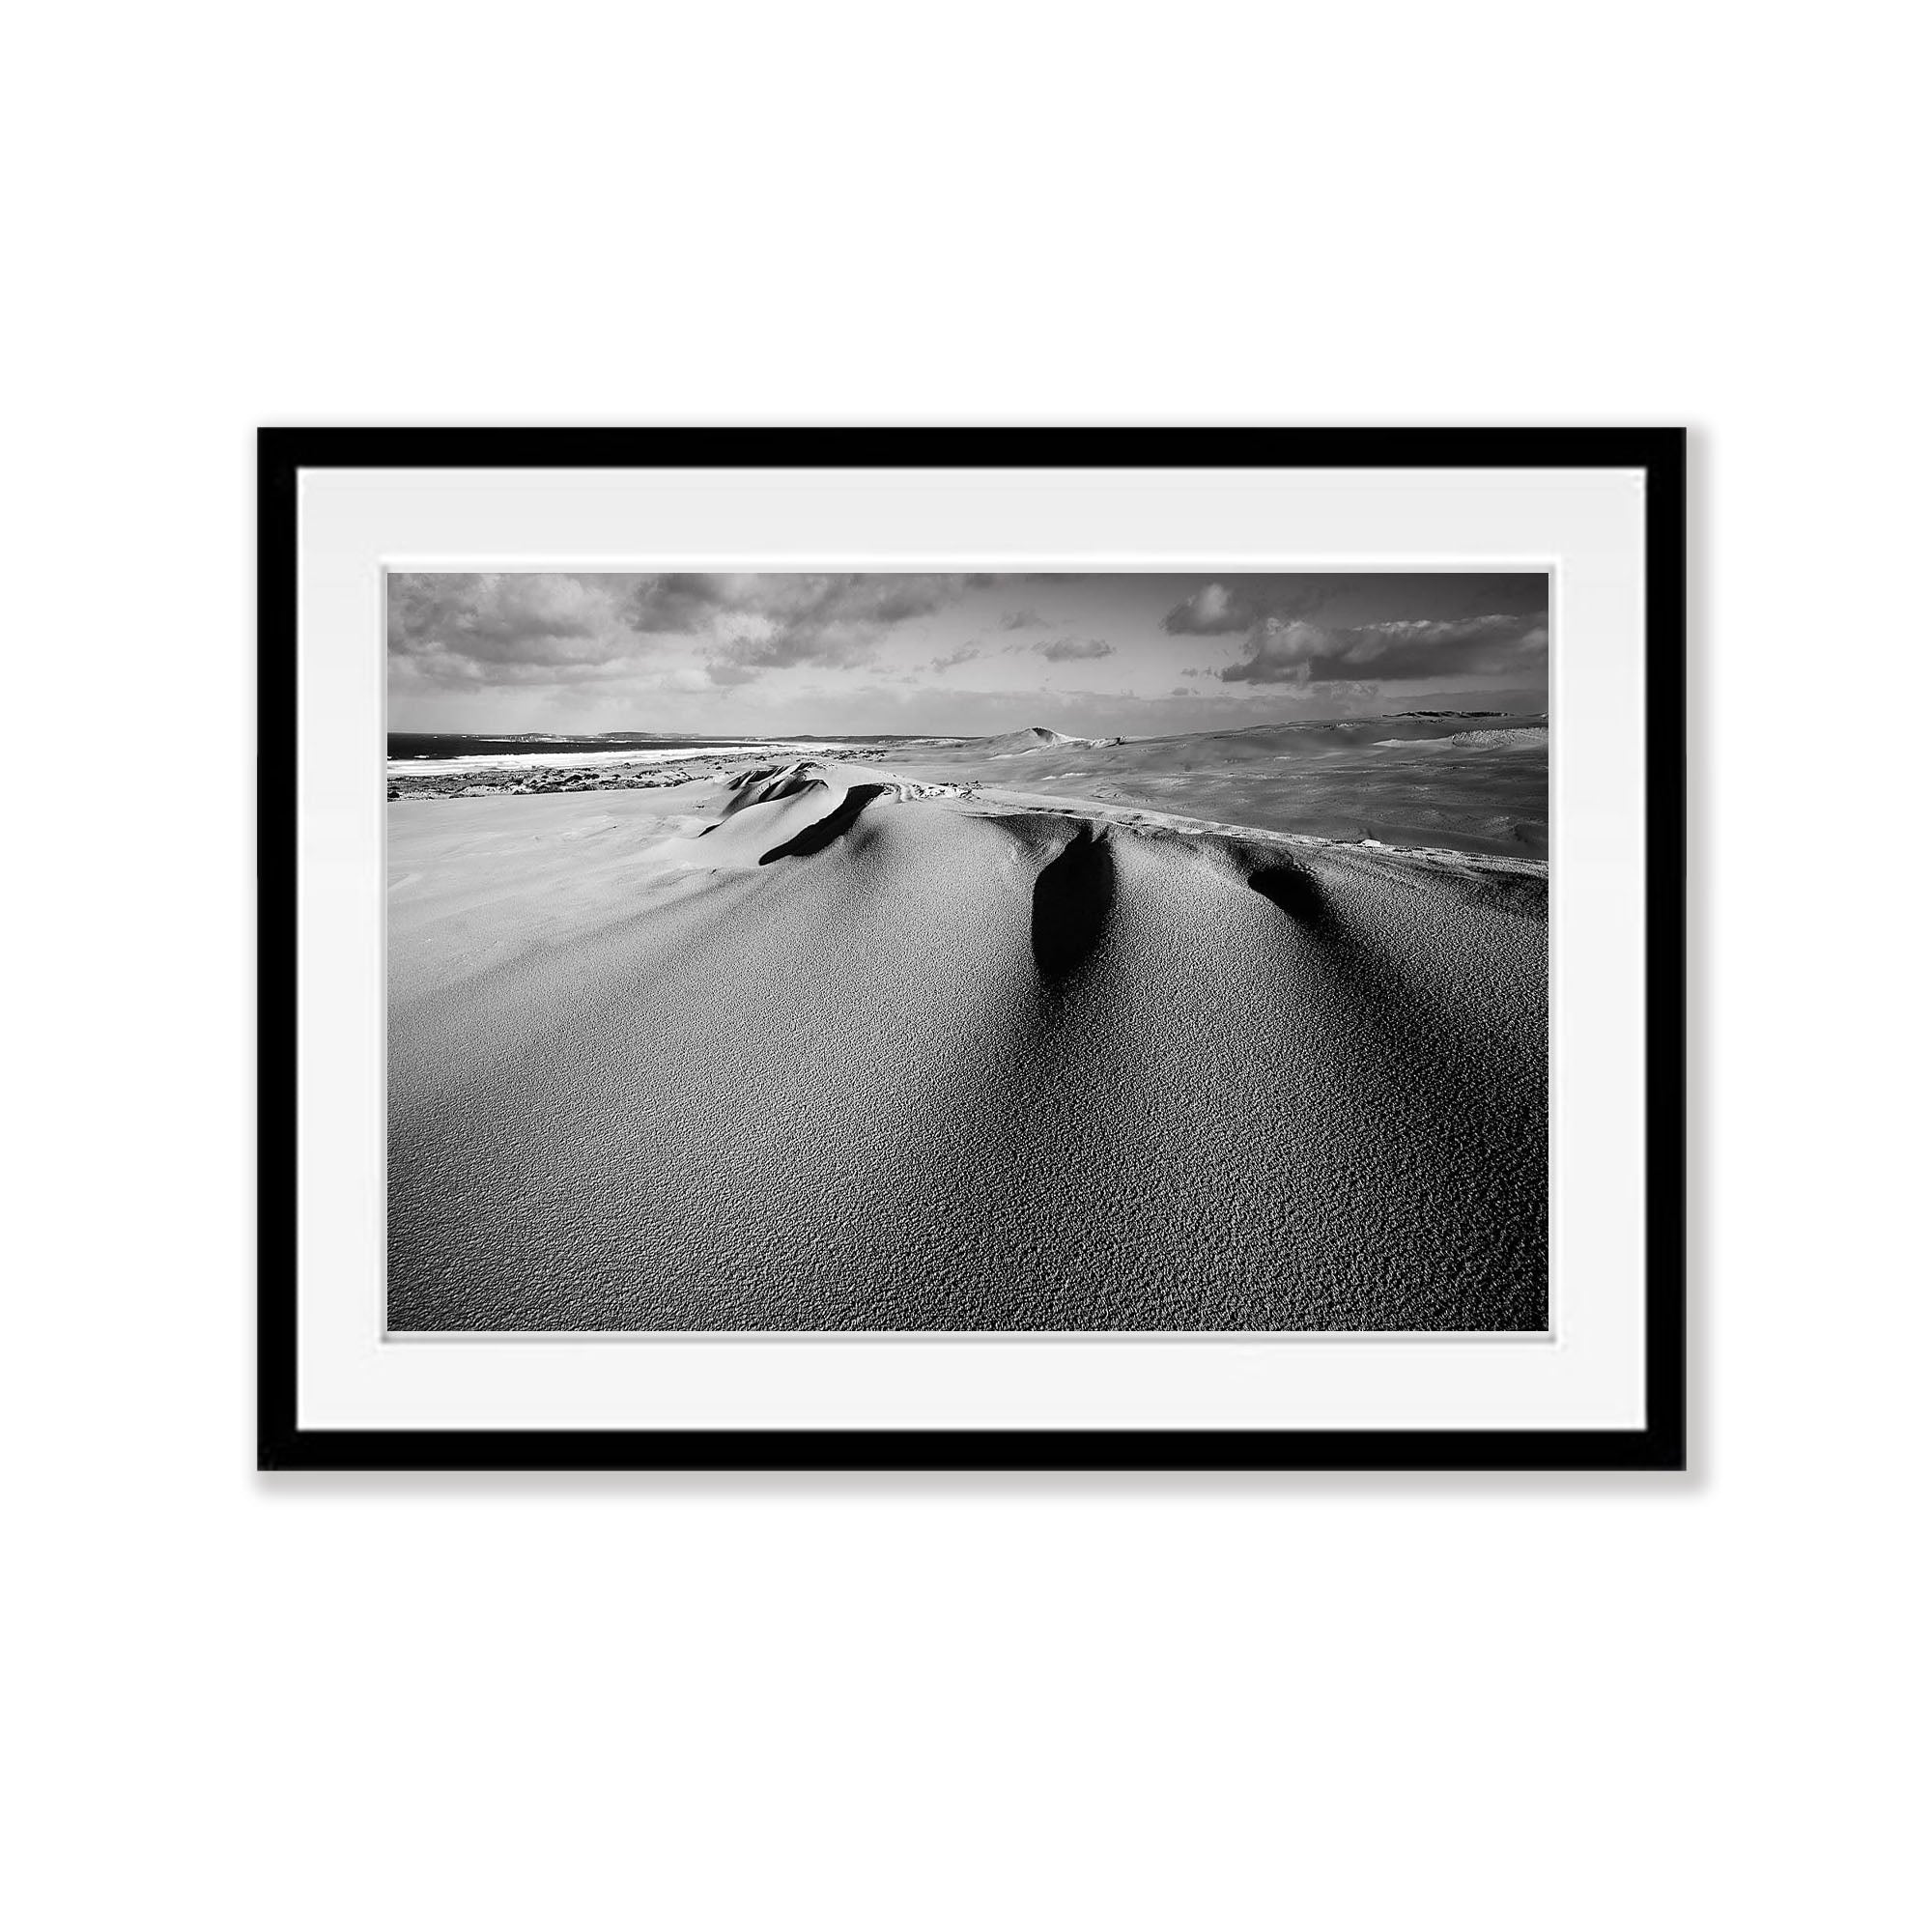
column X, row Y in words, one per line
column 966, row 968
column 1062, row 948
column 1126, row 951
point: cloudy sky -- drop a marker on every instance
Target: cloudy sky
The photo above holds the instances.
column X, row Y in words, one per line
column 1097, row 655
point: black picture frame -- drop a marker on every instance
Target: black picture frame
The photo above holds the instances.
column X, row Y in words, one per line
column 1659, row 1444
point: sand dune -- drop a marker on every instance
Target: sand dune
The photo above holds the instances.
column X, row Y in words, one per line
column 828, row 1046
column 1029, row 743
column 1470, row 782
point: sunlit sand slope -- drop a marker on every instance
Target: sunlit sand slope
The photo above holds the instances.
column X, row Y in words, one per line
column 824, row 1050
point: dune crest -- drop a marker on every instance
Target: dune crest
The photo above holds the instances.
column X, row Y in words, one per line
column 1034, row 738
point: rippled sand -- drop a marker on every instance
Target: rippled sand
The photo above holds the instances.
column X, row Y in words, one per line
column 816, row 1047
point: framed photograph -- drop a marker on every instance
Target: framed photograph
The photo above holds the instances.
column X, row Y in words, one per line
column 972, row 949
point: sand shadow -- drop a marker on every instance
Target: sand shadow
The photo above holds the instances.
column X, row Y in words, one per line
column 821, row 832
column 1072, row 897
column 1300, row 895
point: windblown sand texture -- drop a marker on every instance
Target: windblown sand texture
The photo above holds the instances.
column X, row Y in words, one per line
column 815, row 1045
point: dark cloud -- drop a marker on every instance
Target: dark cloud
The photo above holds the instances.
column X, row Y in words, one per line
column 1353, row 634
column 1064, row 650
column 1240, row 603
column 511, row 628
column 1022, row 620
column 683, row 602
column 965, row 654
column 515, row 628
column 504, row 619
column 1363, row 655
column 769, row 623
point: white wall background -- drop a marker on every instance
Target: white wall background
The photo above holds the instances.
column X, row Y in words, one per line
column 1367, row 1703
